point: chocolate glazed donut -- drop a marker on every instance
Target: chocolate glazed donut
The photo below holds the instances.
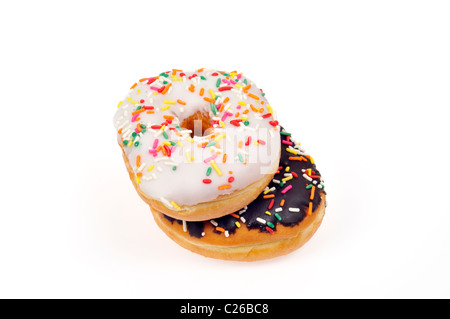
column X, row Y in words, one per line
column 282, row 218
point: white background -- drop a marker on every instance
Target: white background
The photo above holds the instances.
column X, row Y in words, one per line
column 364, row 85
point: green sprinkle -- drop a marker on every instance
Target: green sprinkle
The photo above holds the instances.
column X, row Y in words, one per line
column 208, row 172
column 213, row 108
column 245, row 81
column 165, row 82
column 174, row 168
column 139, row 107
column 240, row 157
column 202, row 77
column 173, row 143
column 285, row 133
column 309, row 186
column 165, row 135
column 134, row 134
column 277, row 216
column 246, row 123
column 178, row 128
column 218, row 82
column 143, row 126
column 125, row 142
column 164, row 74
column 211, row 144
column 281, row 184
column 226, row 74
column 136, row 144
column 263, row 94
column 270, row 225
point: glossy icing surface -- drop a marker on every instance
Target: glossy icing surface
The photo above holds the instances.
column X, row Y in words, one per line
column 291, row 195
column 181, row 166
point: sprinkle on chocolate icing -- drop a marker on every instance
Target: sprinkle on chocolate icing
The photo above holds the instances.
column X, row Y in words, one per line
column 293, row 194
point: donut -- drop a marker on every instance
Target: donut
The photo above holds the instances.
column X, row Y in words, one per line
column 198, row 145
column 280, row 220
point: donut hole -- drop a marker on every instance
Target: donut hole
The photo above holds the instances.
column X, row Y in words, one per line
column 198, row 123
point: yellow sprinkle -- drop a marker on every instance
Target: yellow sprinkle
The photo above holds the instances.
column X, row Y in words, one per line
column 218, row 138
column 192, row 158
column 238, row 225
column 188, row 156
column 222, row 123
column 269, row 109
column 134, row 102
column 180, row 144
column 309, row 171
column 155, row 93
column 120, row 103
column 291, row 151
column 213, row 164
column 287, row 179
column 212, row 94
column 239, row 86
column 191, row 140
column 287, row 169
column 138, row 180
column 244, row 118
column 268, row 213
column 165, row 107
column 311, row 159
column 163, row 127
column 150, row 168
column 138, row 91
column 167, row 143
column 242, row 103
column 175, row 205
column 266, row 191
column 169, row 102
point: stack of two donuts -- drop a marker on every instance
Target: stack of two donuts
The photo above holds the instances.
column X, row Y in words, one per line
column 222, row 178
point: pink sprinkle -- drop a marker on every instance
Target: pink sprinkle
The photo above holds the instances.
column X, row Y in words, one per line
column 155, row 143
column 286, row 142
column 286, row 189
column 232, row 81
column 154, row 88
column 210, row 158
column 135, row 116
column 152, row 152
column 239, row 76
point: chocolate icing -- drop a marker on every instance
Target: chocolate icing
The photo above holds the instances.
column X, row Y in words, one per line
column 297, row 197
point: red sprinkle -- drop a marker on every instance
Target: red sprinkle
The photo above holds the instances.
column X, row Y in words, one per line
column 261, row 142
column 167, row 150
column 266, row 115
column 271, row 204
column 235, row 122
column 230, row 179
column 249, row 140
column 273, row 123
column 270, row 230
column 207, row 181
column 156, row 127
column 225, row 88
column 294, row 174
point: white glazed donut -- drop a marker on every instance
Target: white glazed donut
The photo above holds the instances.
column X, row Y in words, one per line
column 194, row 170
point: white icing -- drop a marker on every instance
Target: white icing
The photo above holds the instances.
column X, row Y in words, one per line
column 185, row 186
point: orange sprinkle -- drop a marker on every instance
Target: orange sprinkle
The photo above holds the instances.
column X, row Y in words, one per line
column 168, row 117
column 192, row 88
column 310, row 208
column 150, row 112
column 221, row 108
column 268, row 196
column 297, row 158
column 240, row 144
column 138, row 161
column 253, row 108
column 202, row 90
column 224, row 158
column 237, row 114
column 253, row 96
column 166, row 88
column 138, row 111
column 235, row 215
column 220, row 229
column 245, row 112
column 119, row 131
column 226, row 186
column 282, row 203
column 181, row 102
column 247, row 87
column 312, row 192
column 200, row 70
column 226, row 100
column 139, row 174
column 134, row 85
column 207, row 99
